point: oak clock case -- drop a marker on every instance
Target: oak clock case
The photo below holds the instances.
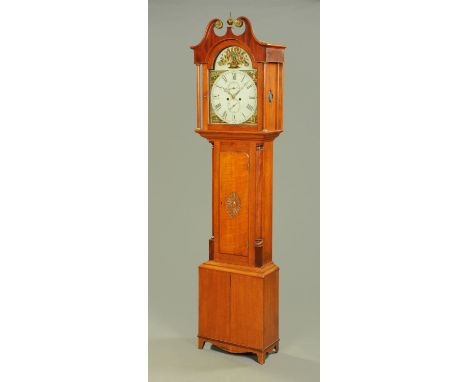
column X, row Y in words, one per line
column 239, row 111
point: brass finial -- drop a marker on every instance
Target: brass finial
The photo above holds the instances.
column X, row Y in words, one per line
column 230, row 21
column 237, row 22
column 218, row 24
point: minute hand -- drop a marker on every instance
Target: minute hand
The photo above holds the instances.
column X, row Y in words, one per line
column 235, row 95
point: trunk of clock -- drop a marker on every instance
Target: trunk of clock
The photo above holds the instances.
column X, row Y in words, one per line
column 242, row 202
column 238, row 307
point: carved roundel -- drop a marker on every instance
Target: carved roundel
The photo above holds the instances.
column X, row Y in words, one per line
column 233, row 204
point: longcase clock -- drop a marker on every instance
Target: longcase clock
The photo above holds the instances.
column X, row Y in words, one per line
column 239, row 111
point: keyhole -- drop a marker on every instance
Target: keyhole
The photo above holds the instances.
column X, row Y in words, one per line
column 270, row 96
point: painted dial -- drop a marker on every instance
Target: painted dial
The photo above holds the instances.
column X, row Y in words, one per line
column 234, row 97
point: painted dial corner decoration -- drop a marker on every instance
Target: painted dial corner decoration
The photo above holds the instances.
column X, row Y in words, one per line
column 233, row 90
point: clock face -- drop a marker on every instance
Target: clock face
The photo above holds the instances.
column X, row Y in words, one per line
column 234, row 97
column 233, row 89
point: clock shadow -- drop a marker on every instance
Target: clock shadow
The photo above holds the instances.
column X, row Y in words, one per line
column 252, row 356
column 179, row 359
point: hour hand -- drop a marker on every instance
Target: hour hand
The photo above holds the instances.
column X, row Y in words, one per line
column 224, row 89
column 227, row 91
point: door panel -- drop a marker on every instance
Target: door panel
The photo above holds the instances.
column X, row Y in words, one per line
column 234, row 169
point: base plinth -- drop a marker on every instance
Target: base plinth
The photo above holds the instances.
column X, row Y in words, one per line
column 238, row 308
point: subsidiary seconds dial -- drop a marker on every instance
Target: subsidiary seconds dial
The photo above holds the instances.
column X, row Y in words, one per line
column 234, row 97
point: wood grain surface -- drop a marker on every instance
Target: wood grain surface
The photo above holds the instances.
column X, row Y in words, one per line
column 238, row 286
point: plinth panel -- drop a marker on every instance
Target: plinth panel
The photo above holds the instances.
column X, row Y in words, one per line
column 214, row 304
column 247, row 310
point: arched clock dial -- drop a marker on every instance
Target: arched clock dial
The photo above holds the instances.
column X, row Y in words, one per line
column 233, row 89
column 234, row 97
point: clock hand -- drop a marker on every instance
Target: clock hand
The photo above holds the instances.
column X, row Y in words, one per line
column 233, row 105
column 235, row 95
column 227, row 91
